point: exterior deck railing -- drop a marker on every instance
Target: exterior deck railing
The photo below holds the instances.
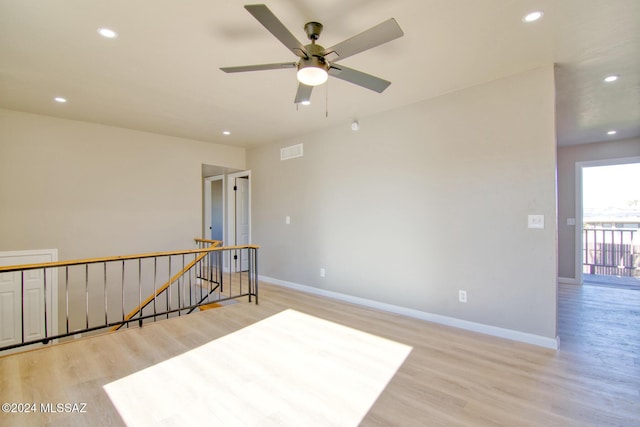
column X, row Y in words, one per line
column 114, row 292
column 611, row 251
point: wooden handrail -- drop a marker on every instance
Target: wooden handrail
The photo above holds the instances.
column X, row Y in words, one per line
column 120, row 258
column 160, row 290
column 164, row 287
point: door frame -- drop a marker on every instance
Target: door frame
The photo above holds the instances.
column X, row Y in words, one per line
column 579, row 202
column 229, row 220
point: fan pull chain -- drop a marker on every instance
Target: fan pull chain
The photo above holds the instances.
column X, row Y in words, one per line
column 326, row 101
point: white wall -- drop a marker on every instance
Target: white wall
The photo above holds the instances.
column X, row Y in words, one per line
column 421, row 202
column 567, row 159
column 93, row 190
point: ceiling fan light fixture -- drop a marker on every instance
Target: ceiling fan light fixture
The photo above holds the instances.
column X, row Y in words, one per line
column 312, row 71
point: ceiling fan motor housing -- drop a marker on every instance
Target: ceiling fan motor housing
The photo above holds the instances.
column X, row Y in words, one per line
column 315, row 59
column 313, row 30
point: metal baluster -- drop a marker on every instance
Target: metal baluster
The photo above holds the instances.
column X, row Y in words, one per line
column 66, row 290
column 46, row 330
column 122, row 293
column 249, row 272
column 22, row 299
column 625, row 252
column 179, row 292
column 206, row 276
column 191, row 270
column 614, row 250
column 155, row 292
column 168, row 290
column 602, row 248
column 255, row 251
column 585, row 255
column 200, row 278
column 223, row 256
column 232, row 267
column 140, row 291
column 86, row 294
column 219, row 267
column 106, row 296
column 607, row 259
column 631, row 252
column 199, row 270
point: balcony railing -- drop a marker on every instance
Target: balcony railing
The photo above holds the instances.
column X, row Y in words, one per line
column 611, row 251
column 83, row 296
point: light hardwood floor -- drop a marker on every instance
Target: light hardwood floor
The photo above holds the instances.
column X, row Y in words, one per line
column 451, row 377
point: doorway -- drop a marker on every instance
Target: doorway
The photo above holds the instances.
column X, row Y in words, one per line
column 214, row 194
column 227, row 214
column 608, row 236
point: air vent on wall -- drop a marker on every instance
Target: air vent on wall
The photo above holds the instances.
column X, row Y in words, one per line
column 291, row 152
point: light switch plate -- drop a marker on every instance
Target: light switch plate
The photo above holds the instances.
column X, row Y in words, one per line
column 571, row 221
column 535, row 221
column 287, row 219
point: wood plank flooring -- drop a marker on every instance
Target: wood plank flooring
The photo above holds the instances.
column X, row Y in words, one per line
column 451, row 377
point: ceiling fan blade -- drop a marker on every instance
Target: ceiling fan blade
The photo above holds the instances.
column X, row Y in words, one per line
column 277, row 28
column 259, row 67
column 358, row 77
column 380, row 34
column 303, row 93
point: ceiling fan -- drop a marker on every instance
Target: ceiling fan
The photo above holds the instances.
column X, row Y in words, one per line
column 316, row 63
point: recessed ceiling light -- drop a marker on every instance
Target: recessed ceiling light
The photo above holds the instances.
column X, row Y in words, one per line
column 533, row 16
column 226, row 132
column 612, row 132
column 307, row 102
column 108, row 33
column 60, row 99
column 611, row 78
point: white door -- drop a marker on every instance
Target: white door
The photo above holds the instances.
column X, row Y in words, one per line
column 242, row 231
column 14, row 297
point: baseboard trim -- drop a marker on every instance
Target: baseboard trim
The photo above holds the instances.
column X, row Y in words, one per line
column 552, row 343
column 568, row 281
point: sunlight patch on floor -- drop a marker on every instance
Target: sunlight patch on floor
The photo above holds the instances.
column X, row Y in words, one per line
column 291, row 369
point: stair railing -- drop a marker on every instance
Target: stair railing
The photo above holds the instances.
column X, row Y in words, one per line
column 100, row 293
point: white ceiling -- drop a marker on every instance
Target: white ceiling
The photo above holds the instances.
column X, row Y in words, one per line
column 162, row 72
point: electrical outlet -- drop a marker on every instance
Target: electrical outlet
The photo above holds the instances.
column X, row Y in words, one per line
column 462, row 296
column 322, row 272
